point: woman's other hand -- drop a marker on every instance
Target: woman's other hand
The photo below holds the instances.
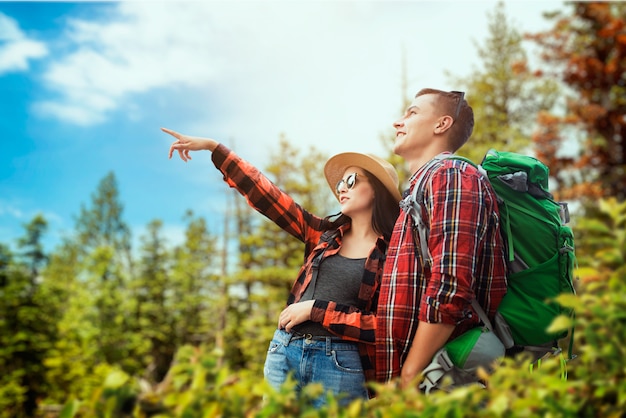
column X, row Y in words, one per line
column 295, row 314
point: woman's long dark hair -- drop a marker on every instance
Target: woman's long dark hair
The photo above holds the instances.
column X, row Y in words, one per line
column 384, row 214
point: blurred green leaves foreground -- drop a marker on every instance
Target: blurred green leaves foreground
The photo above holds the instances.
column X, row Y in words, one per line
column 196, row 386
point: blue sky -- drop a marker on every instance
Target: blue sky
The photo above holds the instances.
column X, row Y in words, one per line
column 85, row 87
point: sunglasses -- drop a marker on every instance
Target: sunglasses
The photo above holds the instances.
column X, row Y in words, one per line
column 349, row 182
column 461, row 95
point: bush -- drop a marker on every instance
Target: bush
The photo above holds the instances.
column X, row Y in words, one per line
column 198, row 385
column 593, row 384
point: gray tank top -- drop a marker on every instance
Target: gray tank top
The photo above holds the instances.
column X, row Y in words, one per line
column 339, row 280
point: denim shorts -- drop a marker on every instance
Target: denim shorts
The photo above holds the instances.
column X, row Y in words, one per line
column 334, row 363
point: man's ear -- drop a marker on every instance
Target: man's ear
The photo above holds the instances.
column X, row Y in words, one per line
column 443, row 124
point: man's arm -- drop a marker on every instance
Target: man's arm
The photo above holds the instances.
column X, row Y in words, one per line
column 454, row 204
column 429, row 338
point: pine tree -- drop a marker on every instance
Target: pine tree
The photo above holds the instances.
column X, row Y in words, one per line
column 586, row 51
column 504, row 93
column 27, row 324
column 92, row 268
column 153, row 322
column 12, row 285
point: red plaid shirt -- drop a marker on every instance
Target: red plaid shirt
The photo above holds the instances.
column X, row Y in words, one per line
column 467, row 254
column 352, row 323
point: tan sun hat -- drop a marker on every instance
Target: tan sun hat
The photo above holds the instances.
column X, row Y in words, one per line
column 381, row 169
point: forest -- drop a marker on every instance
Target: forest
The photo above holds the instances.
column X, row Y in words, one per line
column 99, row 328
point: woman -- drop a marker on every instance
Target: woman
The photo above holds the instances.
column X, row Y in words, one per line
column 326, row 332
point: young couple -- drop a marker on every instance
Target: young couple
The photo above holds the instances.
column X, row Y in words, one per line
column 365, row 306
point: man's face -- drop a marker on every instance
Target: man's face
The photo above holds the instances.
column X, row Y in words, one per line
column 415, row 129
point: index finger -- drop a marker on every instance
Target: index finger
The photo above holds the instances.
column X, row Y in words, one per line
column 173, row 133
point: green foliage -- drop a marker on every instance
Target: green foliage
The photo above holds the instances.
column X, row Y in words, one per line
column 201, row 382
column 102, row 224
column 193, row 290
column 603, row 237
column 596, row 385
column 197, row 386
column 26, row 331
column 12, row 393
column 298, row 173
column 33, row 253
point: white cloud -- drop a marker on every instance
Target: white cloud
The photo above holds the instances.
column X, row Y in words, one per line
column 15, row 48
column 9, row 29
column 321, row 72
column 142, row 47
column 13, row 210
column 7, row 209
column 325, row 73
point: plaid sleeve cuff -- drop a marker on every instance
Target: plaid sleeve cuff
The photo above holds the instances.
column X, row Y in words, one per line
column 319, row 310
column 454, row 312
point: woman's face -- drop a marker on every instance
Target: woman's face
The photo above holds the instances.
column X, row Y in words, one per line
column 356, row 193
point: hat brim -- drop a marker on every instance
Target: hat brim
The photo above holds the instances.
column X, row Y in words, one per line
column 381, row 169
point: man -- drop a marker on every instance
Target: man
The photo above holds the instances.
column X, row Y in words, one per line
column 426, row 302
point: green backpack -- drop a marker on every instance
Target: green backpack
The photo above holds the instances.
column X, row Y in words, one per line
column 540, row 252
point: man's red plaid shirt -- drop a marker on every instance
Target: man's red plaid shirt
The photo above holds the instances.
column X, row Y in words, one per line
column 467, row 256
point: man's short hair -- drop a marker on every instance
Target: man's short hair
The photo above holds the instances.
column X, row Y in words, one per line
column 447, row 103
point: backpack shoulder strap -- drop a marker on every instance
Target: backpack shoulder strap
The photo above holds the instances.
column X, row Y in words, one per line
column 413, row 203
column 482, row 314
column 327, row 236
